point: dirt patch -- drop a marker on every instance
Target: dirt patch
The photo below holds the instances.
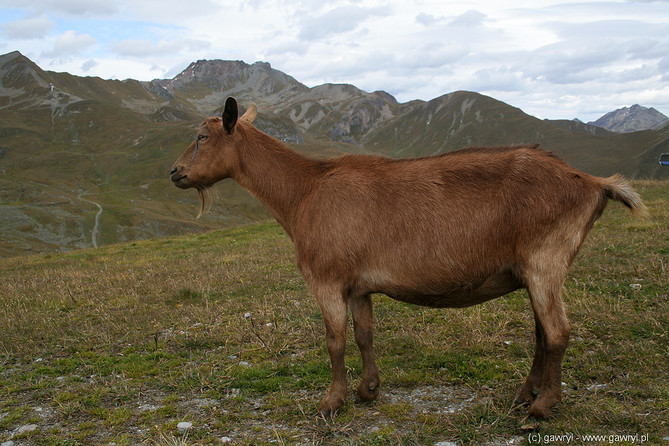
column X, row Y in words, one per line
column 432, row 399
column 238, row 418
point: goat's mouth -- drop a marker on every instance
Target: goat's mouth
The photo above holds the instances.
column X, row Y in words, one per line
column 180, row 180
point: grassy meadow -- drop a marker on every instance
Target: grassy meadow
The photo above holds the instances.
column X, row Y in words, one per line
column 120, row 344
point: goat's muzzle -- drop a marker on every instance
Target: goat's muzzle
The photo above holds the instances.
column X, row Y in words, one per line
column 178, row 177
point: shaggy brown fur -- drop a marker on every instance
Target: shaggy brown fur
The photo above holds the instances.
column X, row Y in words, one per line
column 444, row 231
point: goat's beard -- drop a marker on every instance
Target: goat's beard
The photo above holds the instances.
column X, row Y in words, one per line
column 206, row 194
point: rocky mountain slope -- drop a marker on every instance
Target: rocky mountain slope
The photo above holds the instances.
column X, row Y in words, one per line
column 631, row 119
column 71, row 145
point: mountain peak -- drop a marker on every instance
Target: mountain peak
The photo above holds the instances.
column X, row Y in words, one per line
column 209, row 72
column 631, row 119
column 10, row 56
column 20, row 73
column 207, row 82
column 218, row 73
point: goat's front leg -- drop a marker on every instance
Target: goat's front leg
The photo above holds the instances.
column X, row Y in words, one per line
column 333, row 307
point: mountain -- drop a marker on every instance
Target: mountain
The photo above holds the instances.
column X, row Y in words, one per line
column 343, row 113
column 631, row 119
column 85, row 161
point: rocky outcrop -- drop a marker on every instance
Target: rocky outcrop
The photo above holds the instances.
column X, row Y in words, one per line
column 631, row 119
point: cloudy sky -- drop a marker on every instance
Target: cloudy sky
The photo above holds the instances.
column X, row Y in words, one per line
column 551, row 58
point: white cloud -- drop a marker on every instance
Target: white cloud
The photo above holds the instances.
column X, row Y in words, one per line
column 29, row 28
column 470, row 19
column 72, row 7
column 69, row 44
column 288, row 48
column 338, row 20
column 173, row 12
column 427, row 19
column 146, row 48
column 88, row 65
column 502, row 78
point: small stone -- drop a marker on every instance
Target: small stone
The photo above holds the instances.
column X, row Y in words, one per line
column 147, row 407
column 243, row 363
column 445, row 443
column 184, row 426
column 27, row 428
column 7, row 443
column 247, row 315
column 234, row 393
column 529, row 426
column 226, row 439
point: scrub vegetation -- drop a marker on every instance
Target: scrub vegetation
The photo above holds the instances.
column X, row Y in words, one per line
column 121, row 344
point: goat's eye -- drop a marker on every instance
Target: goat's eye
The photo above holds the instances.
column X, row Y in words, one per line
column 202, row 137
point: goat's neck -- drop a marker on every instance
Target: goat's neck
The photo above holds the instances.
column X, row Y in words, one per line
column 278, row 176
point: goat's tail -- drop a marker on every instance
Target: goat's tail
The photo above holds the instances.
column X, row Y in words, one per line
column 617, row 188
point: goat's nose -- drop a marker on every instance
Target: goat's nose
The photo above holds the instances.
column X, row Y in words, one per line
column 173, row 171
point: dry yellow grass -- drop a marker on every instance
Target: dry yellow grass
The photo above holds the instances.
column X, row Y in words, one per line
column 121, row 343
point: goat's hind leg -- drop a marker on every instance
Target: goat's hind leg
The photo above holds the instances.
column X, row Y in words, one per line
column 363, row 323
column 531, row 387
column 543, row 386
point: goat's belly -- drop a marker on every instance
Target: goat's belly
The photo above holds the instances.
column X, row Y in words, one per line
column 453, row 295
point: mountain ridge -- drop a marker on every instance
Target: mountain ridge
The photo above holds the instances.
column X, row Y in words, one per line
column 67, row 141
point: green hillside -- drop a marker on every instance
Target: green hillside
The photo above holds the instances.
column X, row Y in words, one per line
column 71, row 145
column 464, row 119
column 120, row 344
column 60, row 154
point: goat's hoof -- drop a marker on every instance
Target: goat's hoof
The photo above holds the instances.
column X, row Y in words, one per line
column 539, row 412
column 526, row 394
column 329, row 407
column 541, row 407
column 327, row 413
column 367, row 392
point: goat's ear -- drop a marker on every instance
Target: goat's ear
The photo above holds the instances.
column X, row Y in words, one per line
column 250, row 113
column 230, row 115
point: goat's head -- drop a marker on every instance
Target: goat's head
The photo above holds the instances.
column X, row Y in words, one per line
column 211, row 157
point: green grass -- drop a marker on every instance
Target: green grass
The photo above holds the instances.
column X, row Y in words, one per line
column 120, row 344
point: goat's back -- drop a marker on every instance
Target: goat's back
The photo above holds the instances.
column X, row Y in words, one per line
column 464, row 215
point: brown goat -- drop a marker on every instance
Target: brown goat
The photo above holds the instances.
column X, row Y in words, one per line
column 445, row 231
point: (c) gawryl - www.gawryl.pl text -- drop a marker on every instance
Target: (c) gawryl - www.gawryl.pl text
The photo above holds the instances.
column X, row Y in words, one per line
column 570, row 437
